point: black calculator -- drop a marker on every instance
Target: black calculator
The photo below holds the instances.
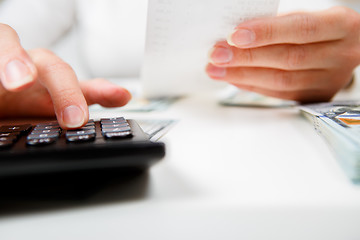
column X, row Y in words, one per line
column 105, row 144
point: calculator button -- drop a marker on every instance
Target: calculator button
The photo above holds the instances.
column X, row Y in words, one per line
column 8, row 138
column 80, row 138
column 6, row 144
column 48, row 124
column 84, row 128
column 120, row 129
column 42, row 135
column 14, row 134
column 117, row 135
column 43, row 127
column 45, row 131
column 115, row 121
column 79, row 132
column 19, row 128
column 89, row 125
column 40, row 141
column 115, row 125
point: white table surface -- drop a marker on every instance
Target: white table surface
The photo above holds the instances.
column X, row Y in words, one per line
column 229, row 173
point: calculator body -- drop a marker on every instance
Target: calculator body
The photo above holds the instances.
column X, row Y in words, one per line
column 134, row 151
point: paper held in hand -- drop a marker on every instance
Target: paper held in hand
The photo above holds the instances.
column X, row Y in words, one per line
column 180, row 33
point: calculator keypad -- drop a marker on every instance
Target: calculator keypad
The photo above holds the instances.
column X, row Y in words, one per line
column 115, row 128
column 40, row 141
column 19, row 129
column 44, row 134
column 10, row 134
column 48, row 133
column 84, row 134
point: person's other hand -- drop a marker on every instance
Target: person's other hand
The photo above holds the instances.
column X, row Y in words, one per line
column 38, row 83
column 306, row 57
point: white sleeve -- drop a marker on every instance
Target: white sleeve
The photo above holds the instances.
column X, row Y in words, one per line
column 39, row 23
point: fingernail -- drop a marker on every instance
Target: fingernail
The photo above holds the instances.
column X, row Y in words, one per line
column 221, row 55
column 216, row 72
column 241, row 37
column 73, row 116
column 17, row 74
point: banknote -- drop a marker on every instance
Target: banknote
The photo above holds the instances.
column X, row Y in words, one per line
column 344, row 116
column 339, row 124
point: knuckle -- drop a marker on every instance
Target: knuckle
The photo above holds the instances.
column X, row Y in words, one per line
column 349, row 18
column 296, row 56
column 247, row 56
column 352, row 21
column 307, row 25
column 237, row 76
column 241, row 74
column 42, row 51
column 41, row 56
column 268, row 32
column 55, row 66
column 355, row 27
column 355, row 23
column 349, row 57
column 284, row 80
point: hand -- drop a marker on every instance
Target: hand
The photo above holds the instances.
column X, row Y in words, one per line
column 307, row 57
column 38, row 83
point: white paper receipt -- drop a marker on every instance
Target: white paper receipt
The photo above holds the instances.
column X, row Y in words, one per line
column 180, row 33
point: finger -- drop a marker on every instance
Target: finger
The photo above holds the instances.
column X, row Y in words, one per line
column 104, row 93
column 62, row 84
column 282, row 56
column 271, row 79
column 298, row 28
column 17, row 71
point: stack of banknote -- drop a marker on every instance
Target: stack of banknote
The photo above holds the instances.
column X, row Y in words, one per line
column 339, row 124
